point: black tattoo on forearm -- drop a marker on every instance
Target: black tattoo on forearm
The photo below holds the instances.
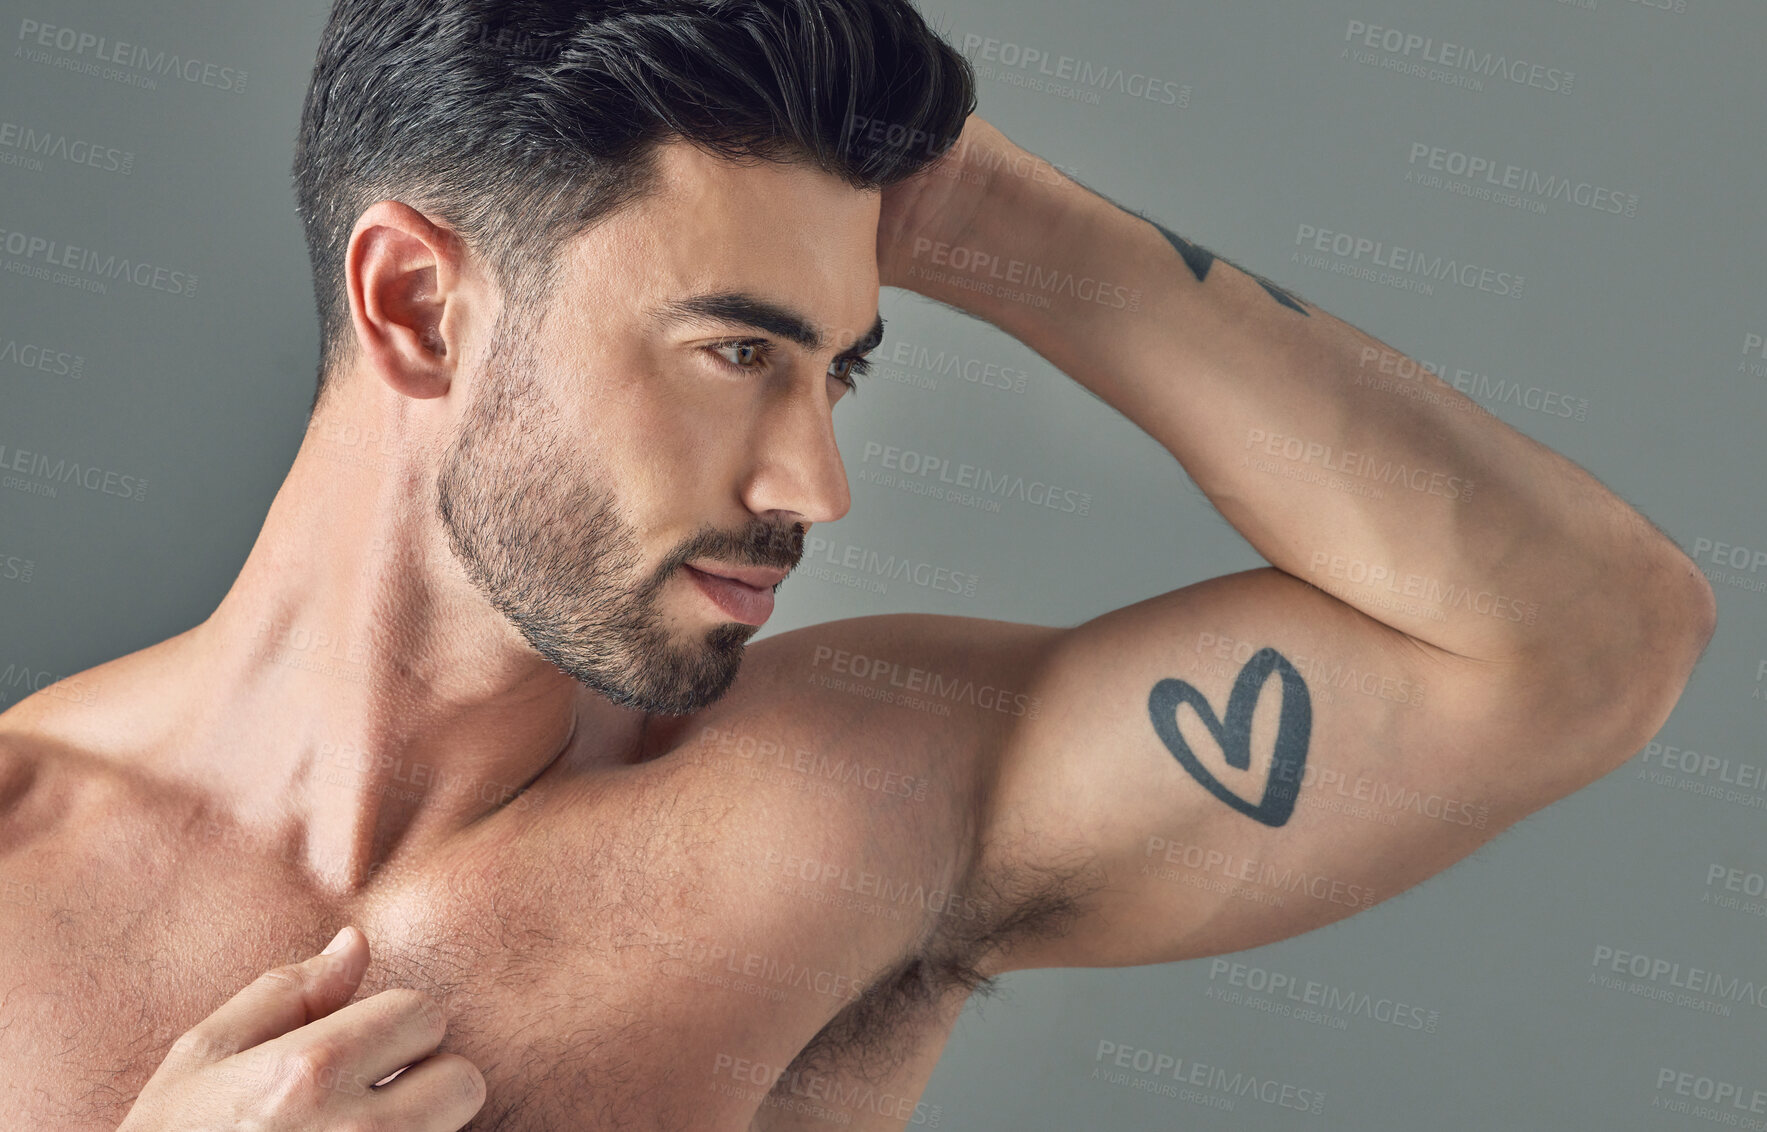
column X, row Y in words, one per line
column 1234, row 733
column 1199, row 259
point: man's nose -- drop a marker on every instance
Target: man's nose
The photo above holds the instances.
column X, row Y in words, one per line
column 798, row 467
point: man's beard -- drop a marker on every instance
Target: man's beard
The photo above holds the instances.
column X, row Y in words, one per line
column 531, row 521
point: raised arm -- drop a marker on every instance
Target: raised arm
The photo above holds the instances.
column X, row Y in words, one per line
column 1461, row 625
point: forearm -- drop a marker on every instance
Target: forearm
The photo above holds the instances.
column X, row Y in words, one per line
column 1335, row 455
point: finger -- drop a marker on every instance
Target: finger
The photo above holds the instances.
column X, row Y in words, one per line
column 438, row 1094
column 282, row 999
column 374, row 1037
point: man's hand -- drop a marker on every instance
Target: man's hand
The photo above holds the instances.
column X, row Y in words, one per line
column 276, row 1057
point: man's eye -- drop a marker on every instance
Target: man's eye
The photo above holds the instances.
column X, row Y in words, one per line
column 853, row 368
column 754, row 354
column 750, row 353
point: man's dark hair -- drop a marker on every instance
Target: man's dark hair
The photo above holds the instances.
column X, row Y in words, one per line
column 519, row 123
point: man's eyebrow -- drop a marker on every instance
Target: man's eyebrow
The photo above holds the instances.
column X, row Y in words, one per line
column 744, row 309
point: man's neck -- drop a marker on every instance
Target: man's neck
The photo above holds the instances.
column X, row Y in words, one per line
column 353, row 687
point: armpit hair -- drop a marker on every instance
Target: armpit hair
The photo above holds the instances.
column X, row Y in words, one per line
column 875, row 1034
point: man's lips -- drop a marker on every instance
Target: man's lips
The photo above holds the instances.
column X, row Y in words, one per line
column 756, row 577
column 737, row 600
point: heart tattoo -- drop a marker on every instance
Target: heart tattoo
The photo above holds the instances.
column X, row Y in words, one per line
column 1234, row 734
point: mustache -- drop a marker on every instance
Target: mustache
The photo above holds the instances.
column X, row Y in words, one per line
column 767, row 545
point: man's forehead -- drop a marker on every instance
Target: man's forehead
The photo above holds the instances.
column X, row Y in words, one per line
column 683, row 169
column 787, row 250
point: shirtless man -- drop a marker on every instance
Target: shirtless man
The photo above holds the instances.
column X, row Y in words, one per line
column 473, row 701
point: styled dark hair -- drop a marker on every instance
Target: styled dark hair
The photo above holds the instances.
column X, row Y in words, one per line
column 520, row 123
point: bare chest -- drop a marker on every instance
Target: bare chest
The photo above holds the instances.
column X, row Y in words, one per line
column 661, row 961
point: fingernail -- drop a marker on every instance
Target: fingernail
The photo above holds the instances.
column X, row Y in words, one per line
column 338, row 941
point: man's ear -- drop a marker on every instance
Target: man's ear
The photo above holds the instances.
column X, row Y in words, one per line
column 404, row 275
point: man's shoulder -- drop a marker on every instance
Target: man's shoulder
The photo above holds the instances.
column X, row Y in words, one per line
column 918, row 703
column 940, row 697
column 910, row 670
column 29, row 773
column 17, row 767
column 52, row 728
column 49, row 777
column 928, row 697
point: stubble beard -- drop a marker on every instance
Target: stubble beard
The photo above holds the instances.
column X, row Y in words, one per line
column 532, row 519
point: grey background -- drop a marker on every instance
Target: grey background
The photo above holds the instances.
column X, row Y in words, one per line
column 1644, row 317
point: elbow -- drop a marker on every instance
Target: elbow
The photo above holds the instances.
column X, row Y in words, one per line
column 1607, row 690
column 1681, row 616
column 1703, row 617
column 1677, row 616
column 1597, row 689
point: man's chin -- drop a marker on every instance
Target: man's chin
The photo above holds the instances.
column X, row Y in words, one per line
column 691, row 679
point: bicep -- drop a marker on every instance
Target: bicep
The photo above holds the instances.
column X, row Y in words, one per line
column 1250, row 758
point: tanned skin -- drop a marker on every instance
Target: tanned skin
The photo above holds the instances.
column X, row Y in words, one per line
column 593, row 859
